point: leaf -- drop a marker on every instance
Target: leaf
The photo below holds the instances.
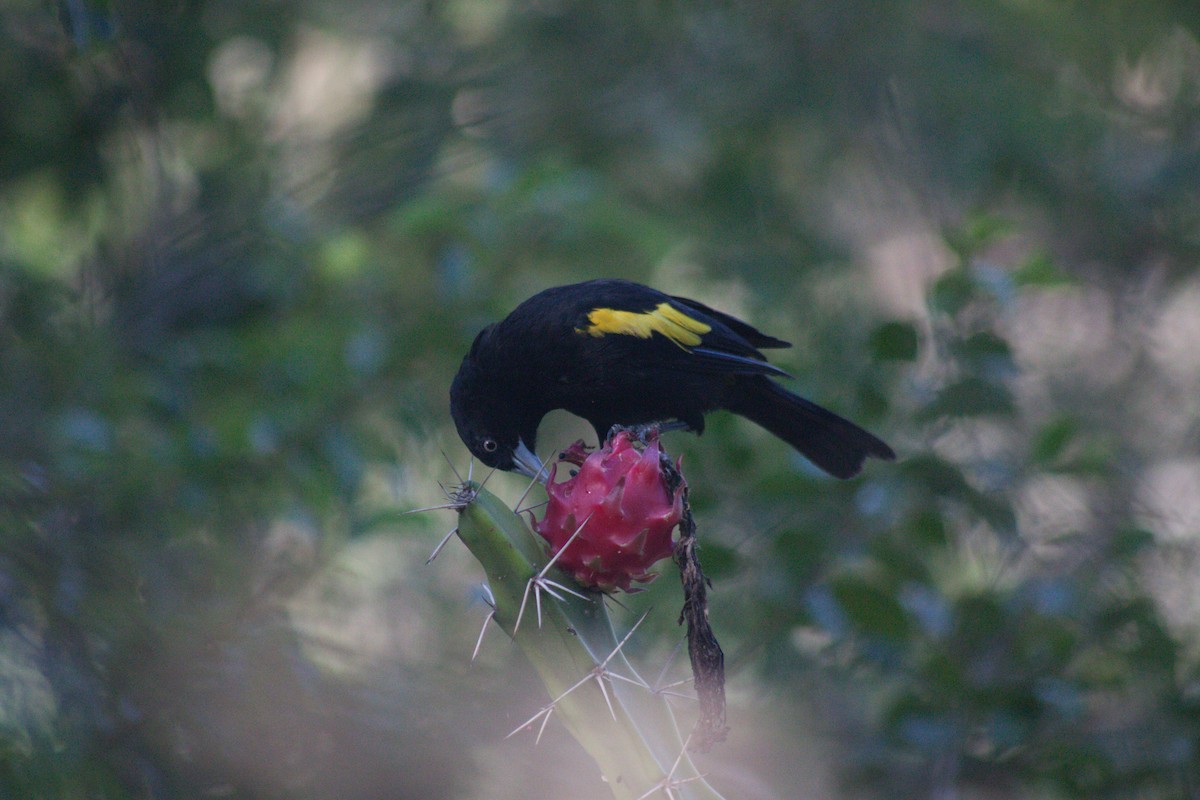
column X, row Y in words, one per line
column 979, row 617
column 980, row 231
column 902, row 561
column 720, row 560
column 870, row 608
column 1040, row 270
column 1053, row 439
column 894, row 341
column 952, row 291
column 987, row 351
column 947, row 480
column 927, row 528
column 969, row 397
column 1129, row 542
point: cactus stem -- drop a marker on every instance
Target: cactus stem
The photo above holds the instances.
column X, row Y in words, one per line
column 598, row 673
column 662, row 673
column 540, row 583
column 543, row 714
column 575, row 647
column 618, row 676
column 612, row 598
column 542, row 729
column 668, row 784
column 628, row 635
column 665, row 688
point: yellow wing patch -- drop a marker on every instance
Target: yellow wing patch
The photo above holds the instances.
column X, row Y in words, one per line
column 664, row 318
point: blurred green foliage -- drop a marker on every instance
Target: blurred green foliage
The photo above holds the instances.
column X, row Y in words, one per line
column 243, row 246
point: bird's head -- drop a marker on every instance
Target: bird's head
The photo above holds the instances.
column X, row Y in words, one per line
column 498, row 429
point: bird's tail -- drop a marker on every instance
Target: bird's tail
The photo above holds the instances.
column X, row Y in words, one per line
column 836, row 445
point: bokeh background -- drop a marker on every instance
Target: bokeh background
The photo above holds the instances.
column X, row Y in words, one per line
column 244, row 245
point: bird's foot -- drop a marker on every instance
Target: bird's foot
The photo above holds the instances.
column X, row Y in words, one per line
column 575, row 454
column 648, row 432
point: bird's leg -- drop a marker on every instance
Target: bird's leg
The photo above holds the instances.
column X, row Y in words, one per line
column 647, row 432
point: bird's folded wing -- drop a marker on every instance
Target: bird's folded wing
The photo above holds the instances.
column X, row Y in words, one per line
column 710, row 359
column 743, row 329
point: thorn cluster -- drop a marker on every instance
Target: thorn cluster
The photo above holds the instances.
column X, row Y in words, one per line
column 599, row 673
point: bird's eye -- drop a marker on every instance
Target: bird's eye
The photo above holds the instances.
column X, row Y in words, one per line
column 489, row 445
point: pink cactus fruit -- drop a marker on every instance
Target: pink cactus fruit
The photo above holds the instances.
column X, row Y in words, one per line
column 630, row 516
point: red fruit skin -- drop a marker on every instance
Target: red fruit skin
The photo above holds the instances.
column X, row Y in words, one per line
column 630, row 516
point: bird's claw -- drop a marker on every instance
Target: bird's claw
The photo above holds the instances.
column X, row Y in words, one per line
column 647, row 432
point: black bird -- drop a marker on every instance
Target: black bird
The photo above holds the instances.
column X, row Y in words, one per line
column 616, row 352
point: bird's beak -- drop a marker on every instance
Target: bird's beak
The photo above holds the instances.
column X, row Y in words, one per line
column 527, row 463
